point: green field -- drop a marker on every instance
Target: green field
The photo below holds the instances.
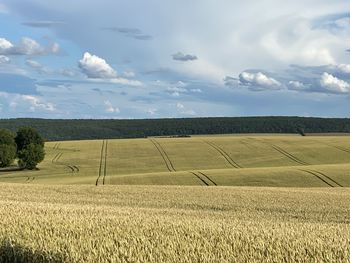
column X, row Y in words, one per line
column 281, row 161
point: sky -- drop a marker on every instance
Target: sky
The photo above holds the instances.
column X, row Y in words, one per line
column 113, row 59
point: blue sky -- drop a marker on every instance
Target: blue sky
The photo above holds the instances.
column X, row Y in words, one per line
column 155, row 59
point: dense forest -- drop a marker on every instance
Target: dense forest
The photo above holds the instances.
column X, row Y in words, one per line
column 108, row 129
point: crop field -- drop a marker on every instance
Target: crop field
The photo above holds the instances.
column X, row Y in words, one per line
column 245, row 198
column 81, row 223
column 249, row 160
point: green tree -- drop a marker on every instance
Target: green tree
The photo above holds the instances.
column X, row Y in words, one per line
column 30, row 148
column 26, row 136
column 30, row 156
column 7, row 148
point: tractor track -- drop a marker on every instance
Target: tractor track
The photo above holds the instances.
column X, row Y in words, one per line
column 56, row 146
column 323, row 177
column 105, row 166
column 343, row 149
column 30, row 179
column 224, row 154
column 285, row 153
column 56, row 158
column 72, row 168
column 200, row 178
column 204, row 178
column 164, row 155
column 103, row 158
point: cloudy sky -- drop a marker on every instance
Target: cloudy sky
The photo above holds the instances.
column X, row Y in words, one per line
column 155, row 58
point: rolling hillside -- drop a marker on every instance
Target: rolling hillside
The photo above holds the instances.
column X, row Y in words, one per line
column 287, row 161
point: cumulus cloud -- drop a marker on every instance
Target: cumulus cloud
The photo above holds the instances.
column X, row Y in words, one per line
column 258, row 81
column 345, row 68
column 27, row 46
column 179, row 56
column 110, row 108
column 4, row 59
column 96, row 68
column 37, row 104
column 130, row 32
column 26, row 102
column 333, row 84
column 298, row 86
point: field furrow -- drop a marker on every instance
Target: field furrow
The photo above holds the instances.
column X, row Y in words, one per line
column 164, row 155
column 223, row 154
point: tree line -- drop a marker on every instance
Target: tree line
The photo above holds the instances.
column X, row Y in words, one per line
column 26, row 145
column 56, row 130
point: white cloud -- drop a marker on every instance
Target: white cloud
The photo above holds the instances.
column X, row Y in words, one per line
column 33, row 64
column 96, row 67
column 26, row 103
column 5, row 46
column 98, row 70
column 128, row 82
column 333, row 84
column 258, row 81
column 345, row 68
column 297, row 85
column 27, row 46
column 180, row 106
column 4, row 59
column 128, row 74
column 110, row 108
column 184, row 110
column 37, row 104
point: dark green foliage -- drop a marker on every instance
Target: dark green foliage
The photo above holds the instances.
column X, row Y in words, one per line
column 30, row 148
column 30, row 156
column 7, row 148
column 26, row 136
column 108, row 129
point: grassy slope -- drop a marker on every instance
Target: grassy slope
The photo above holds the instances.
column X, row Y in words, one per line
column 264, row 161
column 174, row 224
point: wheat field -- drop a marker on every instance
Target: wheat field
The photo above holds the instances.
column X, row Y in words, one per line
column 173, row 224
column 202, row 199
column 255, row 160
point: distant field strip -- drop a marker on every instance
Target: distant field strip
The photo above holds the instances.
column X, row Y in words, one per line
column 224, row 154
column 164, row 155
column 273, row 161
column 102, row 172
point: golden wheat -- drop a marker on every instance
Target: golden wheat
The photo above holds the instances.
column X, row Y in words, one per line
column 173, row 224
